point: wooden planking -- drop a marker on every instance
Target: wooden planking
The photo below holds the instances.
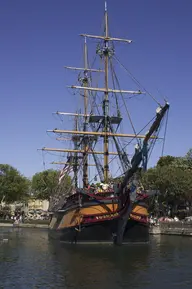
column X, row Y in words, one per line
column 74, row 217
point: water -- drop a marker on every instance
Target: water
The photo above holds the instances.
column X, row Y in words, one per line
column 30, row 260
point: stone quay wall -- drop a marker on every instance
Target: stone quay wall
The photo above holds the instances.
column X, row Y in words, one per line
column 172, row 228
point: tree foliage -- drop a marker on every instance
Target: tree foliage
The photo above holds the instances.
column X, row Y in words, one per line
column 45, row 184
column 172, row 177
column 165, row 161
column 172, row 182
column 13, row 186
column 180, row 162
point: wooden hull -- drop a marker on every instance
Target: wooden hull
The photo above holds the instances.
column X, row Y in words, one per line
column 99, row 223
column 137, row 228
column 94, row 233
column 102, row 232
column 136, row 232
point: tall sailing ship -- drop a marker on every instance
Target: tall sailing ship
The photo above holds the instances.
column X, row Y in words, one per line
column 115, row 209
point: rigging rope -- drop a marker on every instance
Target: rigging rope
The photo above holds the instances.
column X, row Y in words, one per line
column 136, row 81
column 131, row 140
column 113, row 81
column 165, row 132
column 43, row 160
column 129, row 116
column 154, row 141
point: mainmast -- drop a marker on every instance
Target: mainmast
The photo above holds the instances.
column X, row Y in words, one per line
column 75, row 164
column 85, row 139
column 106, row 100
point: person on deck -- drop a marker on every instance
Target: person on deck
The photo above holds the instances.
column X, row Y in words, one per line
column 92, row 188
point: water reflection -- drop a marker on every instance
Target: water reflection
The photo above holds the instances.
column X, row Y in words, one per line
column 31, row 260
column 26, row 261
column 103, row 266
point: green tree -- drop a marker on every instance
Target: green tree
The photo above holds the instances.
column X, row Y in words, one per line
column 173, row 183
column 13, row 186
column 188, row 158
column 169, row 181
column 165, row 161
column 180, row 162
column 45, row 184
column 189, row 155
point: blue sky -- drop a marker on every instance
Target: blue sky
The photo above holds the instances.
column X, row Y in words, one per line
column 39, row 37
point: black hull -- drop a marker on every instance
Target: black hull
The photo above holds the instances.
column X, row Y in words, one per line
column 136, row 232
column 101, row 233
column 93, row 233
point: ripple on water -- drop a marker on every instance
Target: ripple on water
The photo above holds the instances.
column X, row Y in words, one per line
column 31, row 260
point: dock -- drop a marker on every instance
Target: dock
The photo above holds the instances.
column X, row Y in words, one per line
column 179, row 228
column 24, row 225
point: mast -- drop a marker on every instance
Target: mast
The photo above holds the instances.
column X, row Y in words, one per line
column 75, row 165
column 103, row 121
column 85, row 138
column 106, row 101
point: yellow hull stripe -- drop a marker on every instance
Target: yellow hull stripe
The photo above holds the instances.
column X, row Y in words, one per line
column 74, row 217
